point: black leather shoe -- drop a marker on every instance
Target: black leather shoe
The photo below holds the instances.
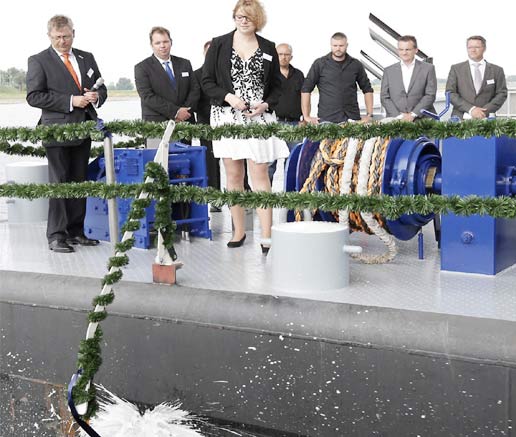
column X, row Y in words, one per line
column 82, row 240
column 60, row 246
column 233, row 244
column 265, row 249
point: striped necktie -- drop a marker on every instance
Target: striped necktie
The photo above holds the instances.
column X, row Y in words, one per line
column 69, row 67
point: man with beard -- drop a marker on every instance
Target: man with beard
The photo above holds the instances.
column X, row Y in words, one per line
column 336, row 76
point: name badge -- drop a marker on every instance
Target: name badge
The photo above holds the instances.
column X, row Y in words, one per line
column 185, row 74
column 90, row 72
column 267, row 57
column 490, row 81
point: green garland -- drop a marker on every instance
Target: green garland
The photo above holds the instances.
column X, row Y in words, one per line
column 142, row 129
column 20, row 149
column 389, row 206
column 39, row 151
column 89, row 355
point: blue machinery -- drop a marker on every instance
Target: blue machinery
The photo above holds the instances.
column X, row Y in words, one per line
column 186, row 165
column 476, row 166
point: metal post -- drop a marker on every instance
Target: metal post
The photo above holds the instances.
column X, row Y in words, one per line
column 110, row 179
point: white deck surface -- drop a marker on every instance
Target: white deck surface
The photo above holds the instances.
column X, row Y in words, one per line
column 405, row 283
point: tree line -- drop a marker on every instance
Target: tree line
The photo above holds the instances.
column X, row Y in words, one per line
column 14, row 78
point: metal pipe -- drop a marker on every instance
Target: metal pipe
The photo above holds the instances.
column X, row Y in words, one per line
column 110, row 179
column 391, row 32
column 372, row 60
column 372, row 70
column 393, row 50
column 420, row 245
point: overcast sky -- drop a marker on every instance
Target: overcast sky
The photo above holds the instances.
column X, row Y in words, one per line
column 117, row 31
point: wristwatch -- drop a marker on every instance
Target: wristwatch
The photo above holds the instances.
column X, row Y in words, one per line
column 369, row 114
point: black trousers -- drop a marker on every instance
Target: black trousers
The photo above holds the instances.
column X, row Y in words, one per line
column 67, row 164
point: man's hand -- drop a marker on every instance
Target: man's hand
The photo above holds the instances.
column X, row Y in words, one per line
column 80, row 101
column 91, row 96
column 311, row 120
column 366, row 119
column 183, row 114
column 407, row 116
column 479, row 113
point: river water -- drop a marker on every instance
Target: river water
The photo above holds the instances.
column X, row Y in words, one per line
column 21, row 114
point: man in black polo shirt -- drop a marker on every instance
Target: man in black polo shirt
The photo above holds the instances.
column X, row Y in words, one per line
column 288, row 109
column 336, row 76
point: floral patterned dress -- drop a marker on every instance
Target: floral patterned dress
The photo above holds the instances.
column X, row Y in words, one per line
column 247, row 78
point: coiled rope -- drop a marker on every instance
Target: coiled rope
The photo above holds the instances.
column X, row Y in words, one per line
column 351, row 166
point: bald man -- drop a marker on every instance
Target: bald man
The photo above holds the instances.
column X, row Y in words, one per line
column 288, row 109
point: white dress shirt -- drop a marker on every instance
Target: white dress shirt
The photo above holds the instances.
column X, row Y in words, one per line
column 75, row 65
column 472, row 67
column 406, row 73
column 481, row 67
column 163, row 62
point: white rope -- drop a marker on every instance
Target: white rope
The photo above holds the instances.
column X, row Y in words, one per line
column 386, row 238
column 347, row 173
column 162, row 257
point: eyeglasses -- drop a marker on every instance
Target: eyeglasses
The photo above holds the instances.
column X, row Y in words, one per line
column 242, row 18
column 61, row 37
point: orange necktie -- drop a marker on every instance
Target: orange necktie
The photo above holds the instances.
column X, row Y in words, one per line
column 69, row 67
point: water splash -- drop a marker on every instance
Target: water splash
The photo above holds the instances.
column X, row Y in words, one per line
column 118, row 417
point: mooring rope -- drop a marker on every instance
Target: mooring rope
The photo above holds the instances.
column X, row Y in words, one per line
column 350, row 165
column 374, row 226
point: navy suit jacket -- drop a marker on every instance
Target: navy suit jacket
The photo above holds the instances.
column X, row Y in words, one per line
column 159, row 100
column 50, row 85
column 216, row 75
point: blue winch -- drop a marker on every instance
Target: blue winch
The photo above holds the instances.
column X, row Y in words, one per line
column 475, row 166
column 186, row 165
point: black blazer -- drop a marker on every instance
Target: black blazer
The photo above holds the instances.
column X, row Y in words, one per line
column 50, row 85
column 203, row 105
column 216, row 77
column 159, row 100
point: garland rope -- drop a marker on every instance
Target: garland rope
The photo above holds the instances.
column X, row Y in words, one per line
column 89, row 356
column 142, row 129
column 390, row 207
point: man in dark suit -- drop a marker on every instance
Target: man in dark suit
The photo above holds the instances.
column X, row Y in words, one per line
column 409, row 85
column 166, row 84
column 60, row 81
column 477, row 87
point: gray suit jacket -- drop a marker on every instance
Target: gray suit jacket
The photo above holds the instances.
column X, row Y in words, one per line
column 420, row 95
column 491, row 96
column 50, row 85
column 159, row 100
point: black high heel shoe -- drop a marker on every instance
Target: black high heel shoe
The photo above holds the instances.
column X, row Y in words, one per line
column 233, row 244
column 265, row 249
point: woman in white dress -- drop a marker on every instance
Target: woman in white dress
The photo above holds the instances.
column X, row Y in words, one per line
column 241, row 77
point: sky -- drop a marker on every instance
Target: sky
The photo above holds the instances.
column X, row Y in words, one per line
column 116, row 31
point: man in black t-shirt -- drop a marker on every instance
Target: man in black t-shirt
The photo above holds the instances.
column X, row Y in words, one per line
column 288, row 109
column 336, row 76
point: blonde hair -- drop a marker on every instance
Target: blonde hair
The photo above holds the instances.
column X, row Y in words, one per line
column 254, row 10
